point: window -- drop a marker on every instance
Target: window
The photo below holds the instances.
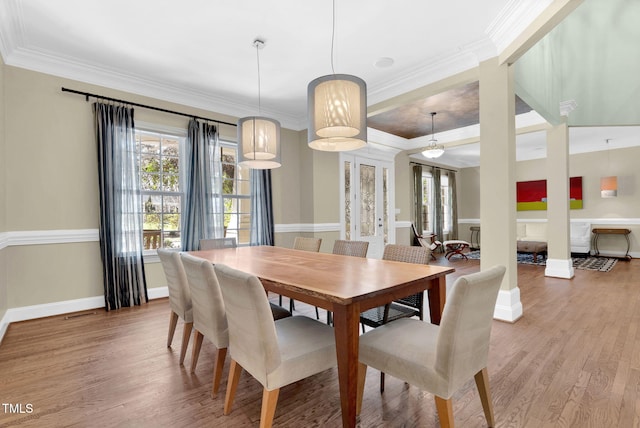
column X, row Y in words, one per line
column 236, row 194
column 159, row 159
column 428, row 202
column 159, row 155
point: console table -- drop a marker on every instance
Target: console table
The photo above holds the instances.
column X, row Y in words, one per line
column 607, row 231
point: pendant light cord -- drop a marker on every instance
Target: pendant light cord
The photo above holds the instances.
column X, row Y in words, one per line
column 333, row 34
column 257, row 44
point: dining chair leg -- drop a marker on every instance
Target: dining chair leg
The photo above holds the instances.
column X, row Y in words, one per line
column 173, row 322
column 195, row 351
column 482, row 382
column 186, row 335
column 445, row 412
column 317, row 314
column 292, row 305
column 269, row 403
column 381, row 382
column 362, row 376
column 232, row 384
column 217, row 371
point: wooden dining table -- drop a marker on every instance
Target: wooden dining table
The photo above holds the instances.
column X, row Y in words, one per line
column 344, row 285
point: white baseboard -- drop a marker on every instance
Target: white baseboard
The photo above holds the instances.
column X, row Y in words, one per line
column 25, row 313
column 559, row 268
column 508, row 306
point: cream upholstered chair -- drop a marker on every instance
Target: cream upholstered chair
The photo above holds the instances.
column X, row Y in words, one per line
column 215, row 243
column 275, row 353
column 440, row 359
column 405, row 307
column 179, row 297
column 209, row 318
column 304, row 244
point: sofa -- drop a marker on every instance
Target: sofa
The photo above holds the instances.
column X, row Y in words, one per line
column 579, row 232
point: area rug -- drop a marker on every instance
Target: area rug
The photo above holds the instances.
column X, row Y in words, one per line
column 600, row 264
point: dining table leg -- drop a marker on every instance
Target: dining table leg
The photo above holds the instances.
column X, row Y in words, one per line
column 346, row 319
column 437, row 294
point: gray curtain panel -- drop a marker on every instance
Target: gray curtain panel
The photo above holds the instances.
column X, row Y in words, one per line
column 262, row 226
column 438, row 212
column 120, row 207
column 417, row 201
column 453, row 197
column 203, row 213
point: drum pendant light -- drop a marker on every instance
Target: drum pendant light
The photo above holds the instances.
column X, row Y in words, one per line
column 337, row 110
column 258, row 136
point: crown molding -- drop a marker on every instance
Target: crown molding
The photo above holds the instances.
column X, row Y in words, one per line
column 12, row 32
column 45, row 62
column 513, row 20
column 422, row 75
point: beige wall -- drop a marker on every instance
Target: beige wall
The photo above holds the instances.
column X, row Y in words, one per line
column 3, row 223
column 591, row 167
column 48, row 159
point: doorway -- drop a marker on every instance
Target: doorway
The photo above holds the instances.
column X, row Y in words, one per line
column 367, row 203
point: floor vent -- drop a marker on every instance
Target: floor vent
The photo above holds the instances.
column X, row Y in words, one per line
column 68, row 317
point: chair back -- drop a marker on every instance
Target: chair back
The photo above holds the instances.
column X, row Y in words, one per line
column 253, row 341
column 215, row 243
column 307, row 244
column 179, row 293
column 351, row 248
column 408, row 254
column 416, row 235
column 208, row 307
column 465, row 328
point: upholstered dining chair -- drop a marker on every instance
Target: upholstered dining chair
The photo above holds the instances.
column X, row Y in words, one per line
column 348, row 248
column 405, row 307
column 209, row 318
column 215, row 243
column 440, row 359
column 275, row 353
column 179, row 297
column 304, row 244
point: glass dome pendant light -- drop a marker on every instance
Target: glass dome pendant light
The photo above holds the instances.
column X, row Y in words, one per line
column 433, row 150
column 258, row 136
column 337, row 110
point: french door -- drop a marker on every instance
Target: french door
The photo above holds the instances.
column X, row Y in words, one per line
column 367, row 206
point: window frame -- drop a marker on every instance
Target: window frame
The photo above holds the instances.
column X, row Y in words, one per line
column 241, row 199
column 163, row 132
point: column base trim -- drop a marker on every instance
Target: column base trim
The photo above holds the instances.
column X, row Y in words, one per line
column 559, row 268
column 508, row 306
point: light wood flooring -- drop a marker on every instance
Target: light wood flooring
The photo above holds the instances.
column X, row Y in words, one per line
column 573, row 360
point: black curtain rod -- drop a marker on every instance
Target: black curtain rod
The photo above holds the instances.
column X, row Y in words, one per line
column 101, row 97
column 433, row 166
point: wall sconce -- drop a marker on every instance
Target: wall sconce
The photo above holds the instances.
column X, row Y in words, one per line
column 609, row 187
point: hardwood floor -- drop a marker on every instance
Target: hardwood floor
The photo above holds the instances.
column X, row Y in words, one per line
column 573, row 360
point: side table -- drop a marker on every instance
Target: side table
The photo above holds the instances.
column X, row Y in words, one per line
column 608, row 231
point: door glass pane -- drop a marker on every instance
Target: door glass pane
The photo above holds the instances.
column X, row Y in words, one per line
column 367, row 200
column 347, row 199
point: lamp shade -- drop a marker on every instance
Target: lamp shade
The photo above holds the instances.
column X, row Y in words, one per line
column 609, row 187
column 337, row 108
column 259, row 142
